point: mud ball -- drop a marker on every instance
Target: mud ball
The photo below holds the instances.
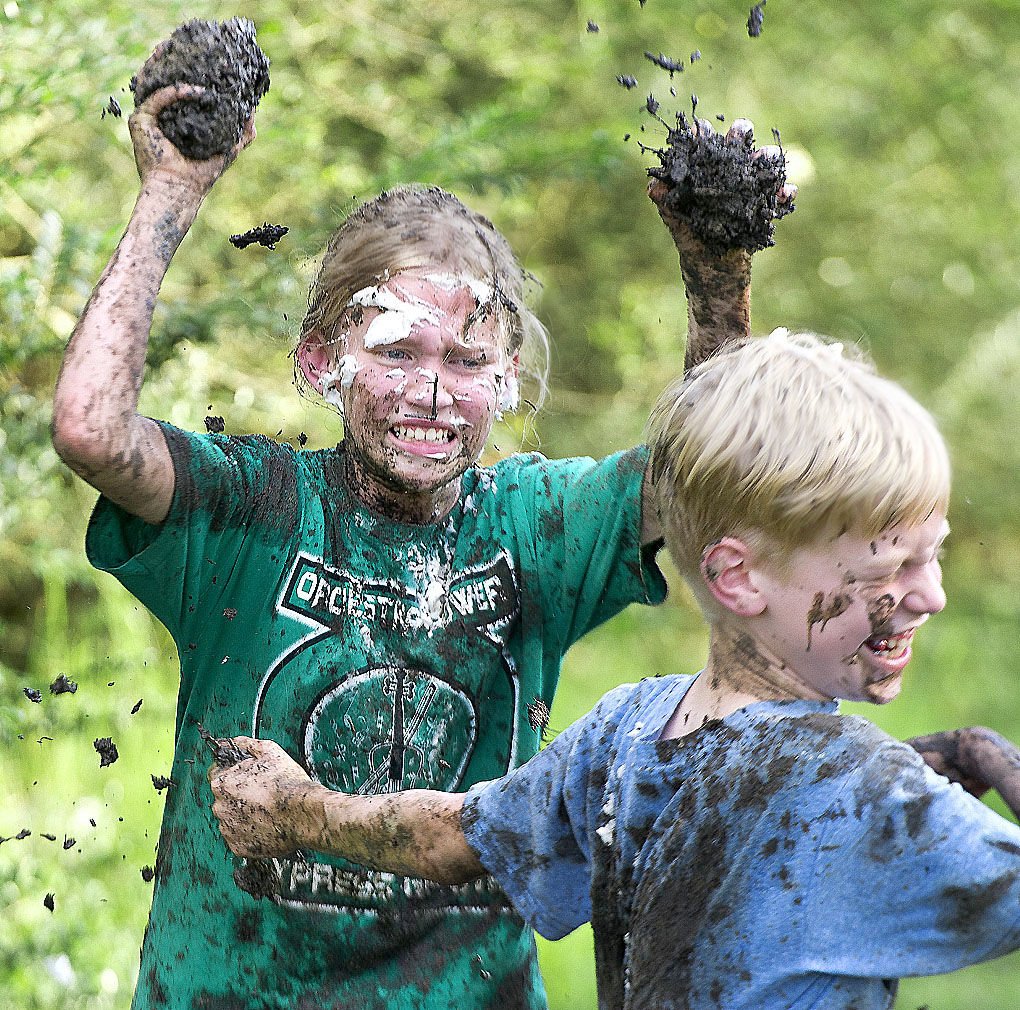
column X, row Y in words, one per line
column 223, row 58
column 727, row 197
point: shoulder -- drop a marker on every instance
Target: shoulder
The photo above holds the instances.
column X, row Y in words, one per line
column 534, row 466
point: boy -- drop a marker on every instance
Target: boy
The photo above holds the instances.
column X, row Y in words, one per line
column 735, row 842
column 386, row 608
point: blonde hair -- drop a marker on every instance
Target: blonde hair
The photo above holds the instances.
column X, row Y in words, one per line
column 784, row 440
column 425, row 226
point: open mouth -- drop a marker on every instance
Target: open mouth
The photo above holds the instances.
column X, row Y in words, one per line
column 435, row 441
column 890, row 646
column 428, row 436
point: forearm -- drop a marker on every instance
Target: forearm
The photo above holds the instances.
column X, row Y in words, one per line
column 718, row 299
column 96, row 428
column 415, row 833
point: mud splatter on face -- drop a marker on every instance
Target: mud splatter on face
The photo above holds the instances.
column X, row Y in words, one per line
column 879, row 612
column 822, row 612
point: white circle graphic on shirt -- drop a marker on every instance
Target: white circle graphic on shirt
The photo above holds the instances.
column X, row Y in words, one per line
column 389, row 728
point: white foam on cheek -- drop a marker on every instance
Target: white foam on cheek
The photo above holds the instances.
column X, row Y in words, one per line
column 509, row 393
column 340, row 378
column 348, row 369
column 397, row 315
column 398, row 373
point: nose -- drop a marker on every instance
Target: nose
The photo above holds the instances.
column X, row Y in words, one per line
column 430, row 391
column 925, row 594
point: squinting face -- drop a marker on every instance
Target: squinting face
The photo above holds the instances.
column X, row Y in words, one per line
column 843, row 616
column 421, row 381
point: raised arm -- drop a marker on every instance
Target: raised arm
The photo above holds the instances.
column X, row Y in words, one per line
column 268, row 806
column 97, row 430
column 718, row 196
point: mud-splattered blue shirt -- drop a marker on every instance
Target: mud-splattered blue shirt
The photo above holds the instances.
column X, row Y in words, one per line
column 783, row 857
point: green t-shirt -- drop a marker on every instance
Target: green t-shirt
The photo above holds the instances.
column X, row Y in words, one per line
column 382, row 656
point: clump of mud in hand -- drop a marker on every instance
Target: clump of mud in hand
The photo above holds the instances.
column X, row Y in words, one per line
column 727, row 197
column 223, row 58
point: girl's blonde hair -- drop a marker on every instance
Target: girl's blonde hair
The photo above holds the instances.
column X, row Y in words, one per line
column 784, row 440
column 426, row 227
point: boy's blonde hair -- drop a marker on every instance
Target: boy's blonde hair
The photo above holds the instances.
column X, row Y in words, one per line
column 425, row 226
column 783, row 441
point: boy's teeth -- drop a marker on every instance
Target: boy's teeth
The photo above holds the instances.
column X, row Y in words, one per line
column 892, row 647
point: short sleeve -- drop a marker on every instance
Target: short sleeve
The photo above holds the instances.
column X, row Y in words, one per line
column 913, row 876
column 587, row 534
column 222, row 489
column 531, row 828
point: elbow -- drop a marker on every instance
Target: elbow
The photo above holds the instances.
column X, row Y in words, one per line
column 75, row 443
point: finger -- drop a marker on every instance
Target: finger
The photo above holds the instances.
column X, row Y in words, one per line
column 740, row 130
column 787, row 193
column 248, row 134
column 657, row 190
column 163, row 98
column 768, row 151
column 247, row 744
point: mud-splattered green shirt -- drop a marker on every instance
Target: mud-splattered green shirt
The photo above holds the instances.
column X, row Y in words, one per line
column 382, row 656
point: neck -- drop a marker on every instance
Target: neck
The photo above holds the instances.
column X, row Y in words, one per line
column 738, row 673
column 415, row 507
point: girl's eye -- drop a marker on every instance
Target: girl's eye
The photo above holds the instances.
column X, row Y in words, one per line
column 393, row 353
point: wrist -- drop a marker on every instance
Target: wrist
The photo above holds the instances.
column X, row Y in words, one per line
column 302, row 808
column 172, row 195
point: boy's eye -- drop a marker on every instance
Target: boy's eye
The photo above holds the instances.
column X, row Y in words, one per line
column 393, row 353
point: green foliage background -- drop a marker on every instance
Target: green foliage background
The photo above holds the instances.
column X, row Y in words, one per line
column 897, row 120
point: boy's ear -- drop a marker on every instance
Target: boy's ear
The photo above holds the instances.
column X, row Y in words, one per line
column 726, row 567
column 314, row 358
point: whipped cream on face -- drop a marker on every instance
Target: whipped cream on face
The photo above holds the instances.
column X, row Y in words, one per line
column 340, row 378
column 450, row 282
column 509, row 393
column 400, row 311
column 397, row 317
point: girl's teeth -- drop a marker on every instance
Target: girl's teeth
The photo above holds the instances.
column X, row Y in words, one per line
column 422, row 434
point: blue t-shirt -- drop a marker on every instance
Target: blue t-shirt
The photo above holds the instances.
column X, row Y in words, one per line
column 382, row 656
column 783, row 857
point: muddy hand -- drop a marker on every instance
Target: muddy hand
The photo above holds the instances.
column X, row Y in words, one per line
column 977, row 758
column 257, row 876
column 252, row 796
column 157, row 158
column 717, row 193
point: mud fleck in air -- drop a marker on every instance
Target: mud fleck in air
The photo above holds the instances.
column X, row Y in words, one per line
column 755, row 19
column 107, row 751
column 266, row 235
